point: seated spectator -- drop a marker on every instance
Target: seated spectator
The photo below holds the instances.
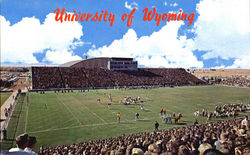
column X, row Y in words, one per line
column 137, row 151
column 245, row 122
column 194, row 147
column 222, row 139
column 31, row 145
column 212, row 152
column 203, row 147
column 21, row 142
column 183, row 150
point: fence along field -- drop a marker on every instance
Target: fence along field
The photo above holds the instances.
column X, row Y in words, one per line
column 65, row 118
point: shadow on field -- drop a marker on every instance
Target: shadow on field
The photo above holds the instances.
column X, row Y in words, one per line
column 180, row 124
column 8, row 143
column 115, row 104
column 217, row 120
column 143, row 120
column 187, row 121
column 10, row 140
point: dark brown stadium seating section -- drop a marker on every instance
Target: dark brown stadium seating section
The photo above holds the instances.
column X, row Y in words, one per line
column 65, row 77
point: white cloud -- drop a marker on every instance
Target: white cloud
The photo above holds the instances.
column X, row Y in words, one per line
column 225, row 32
column 131, row 6
column 219, row 67
column 241, row 62
column 20, row 41
column 161, row 49
column 61, row 56
column 174, row 4
column 165, row 3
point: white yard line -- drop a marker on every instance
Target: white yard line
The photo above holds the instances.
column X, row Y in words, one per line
column 80, row 126
column 90, row 111
column 89, row 125
column 69, row 110
column 68, row 121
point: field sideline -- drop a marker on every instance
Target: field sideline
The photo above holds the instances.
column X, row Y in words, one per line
column 65, row 118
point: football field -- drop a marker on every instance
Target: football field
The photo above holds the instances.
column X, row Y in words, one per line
column 65, row 118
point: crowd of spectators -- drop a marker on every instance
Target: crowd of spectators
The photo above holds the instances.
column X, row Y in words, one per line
column 46, row 77
column 227, row 110
column 74, row 78
column 98, row 77
column 241, row 81
column 24, row 146
column 235, row 80
column 65, row 77
column 176, row 76
column 224, row 137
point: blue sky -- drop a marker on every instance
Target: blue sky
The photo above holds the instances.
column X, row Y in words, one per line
column 217, row 38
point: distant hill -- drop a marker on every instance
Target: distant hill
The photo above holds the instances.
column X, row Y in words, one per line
column 14, row 69
column 220, row 72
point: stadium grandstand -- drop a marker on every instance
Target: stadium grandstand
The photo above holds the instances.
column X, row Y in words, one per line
column 73, row 117
column 108, row 72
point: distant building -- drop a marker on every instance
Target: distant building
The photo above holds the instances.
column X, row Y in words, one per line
column 112, row 63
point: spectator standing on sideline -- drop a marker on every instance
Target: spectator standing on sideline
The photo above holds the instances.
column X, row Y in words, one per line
column 196, row 122
column 118, row 117
column 156, row 125
column 136, row 116
column 164, row 112
column 4, row 134
column 142, row 106
column 161, row 112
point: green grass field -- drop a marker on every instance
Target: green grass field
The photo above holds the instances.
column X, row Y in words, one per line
column 4, row 97
column 65, row 118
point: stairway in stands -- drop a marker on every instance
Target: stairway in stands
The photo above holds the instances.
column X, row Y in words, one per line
column 63, row 82
column 86, row 76
column 107, row 75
